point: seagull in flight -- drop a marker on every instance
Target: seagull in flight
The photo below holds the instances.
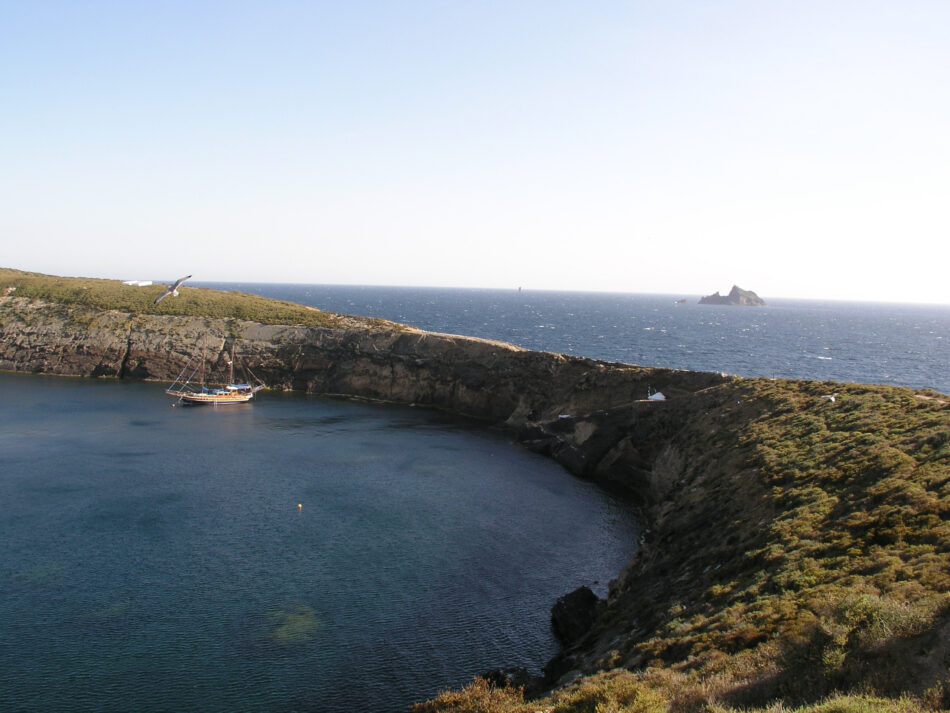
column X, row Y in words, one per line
column 172, row 289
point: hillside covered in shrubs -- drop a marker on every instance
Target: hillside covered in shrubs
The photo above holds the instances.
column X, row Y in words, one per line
column 802, row 561
column 191, row 301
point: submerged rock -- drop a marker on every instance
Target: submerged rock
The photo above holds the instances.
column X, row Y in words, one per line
column 293, row 624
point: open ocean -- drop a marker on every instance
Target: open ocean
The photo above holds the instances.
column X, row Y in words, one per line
column 155, row 558
column 906, row 345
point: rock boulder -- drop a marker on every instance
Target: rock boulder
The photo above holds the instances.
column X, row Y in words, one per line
column 573, row 614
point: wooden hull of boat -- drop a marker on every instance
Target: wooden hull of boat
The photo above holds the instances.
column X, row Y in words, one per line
column 211, row 399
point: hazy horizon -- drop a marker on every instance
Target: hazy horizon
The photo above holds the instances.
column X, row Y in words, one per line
column 196, row 282
column 795, row 148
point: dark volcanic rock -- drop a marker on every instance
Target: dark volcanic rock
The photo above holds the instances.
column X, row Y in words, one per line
column 736, row 297
column 514, row 677
column 573, row 614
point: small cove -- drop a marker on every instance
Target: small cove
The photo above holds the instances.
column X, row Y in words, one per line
column 156, row 559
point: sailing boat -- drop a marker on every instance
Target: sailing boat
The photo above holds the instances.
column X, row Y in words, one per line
column 229, row 393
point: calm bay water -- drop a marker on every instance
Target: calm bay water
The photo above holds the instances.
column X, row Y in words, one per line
column 907, row 345
column 155, row 559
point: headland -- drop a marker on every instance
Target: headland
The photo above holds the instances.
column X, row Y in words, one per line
column 798, row 543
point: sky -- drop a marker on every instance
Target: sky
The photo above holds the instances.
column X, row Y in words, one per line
column 797, row 148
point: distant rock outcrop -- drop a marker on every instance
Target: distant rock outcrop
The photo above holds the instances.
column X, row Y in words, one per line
column 736, row 297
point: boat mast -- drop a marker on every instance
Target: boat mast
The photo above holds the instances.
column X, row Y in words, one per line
column 231, row 367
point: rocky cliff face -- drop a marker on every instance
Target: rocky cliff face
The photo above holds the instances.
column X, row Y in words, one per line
column 565, row 406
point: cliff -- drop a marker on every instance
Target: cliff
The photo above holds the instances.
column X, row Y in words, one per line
column 478, row 378
column 798, row 544
column 737, row 297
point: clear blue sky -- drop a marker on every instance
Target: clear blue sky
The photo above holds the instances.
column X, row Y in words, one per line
column 799, row 148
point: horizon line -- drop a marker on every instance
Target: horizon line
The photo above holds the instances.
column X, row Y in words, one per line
column 521, row 288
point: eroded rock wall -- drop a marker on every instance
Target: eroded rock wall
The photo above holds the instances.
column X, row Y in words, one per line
column 488, row 380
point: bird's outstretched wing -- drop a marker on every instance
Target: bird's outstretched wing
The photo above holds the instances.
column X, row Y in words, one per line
column 172, row 289
column 168, row 291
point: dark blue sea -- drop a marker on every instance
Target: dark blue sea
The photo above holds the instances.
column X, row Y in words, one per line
column 906, row 345
column 155, row 558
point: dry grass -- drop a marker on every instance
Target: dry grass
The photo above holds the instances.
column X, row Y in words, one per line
column 625, row 692
column 192, row 301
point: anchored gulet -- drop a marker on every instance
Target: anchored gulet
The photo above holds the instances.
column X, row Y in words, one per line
column 200, row 394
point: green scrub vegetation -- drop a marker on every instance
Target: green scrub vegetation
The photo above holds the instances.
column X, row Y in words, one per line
column 801, row 563
column 191, row 301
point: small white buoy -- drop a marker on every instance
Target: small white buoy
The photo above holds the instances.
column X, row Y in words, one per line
column 300, row 506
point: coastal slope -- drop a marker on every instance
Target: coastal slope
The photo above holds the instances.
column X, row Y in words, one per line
column 798, row 543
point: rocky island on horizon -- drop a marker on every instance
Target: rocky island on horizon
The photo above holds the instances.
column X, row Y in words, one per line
column 737, row 297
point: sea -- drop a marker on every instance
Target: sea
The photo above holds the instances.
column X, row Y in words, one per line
column 311, row 554
column 870, row 343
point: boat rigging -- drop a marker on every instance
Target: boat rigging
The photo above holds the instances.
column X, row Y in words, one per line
column 201, row 394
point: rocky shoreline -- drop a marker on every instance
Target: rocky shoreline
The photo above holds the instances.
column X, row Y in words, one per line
column 558, row 404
